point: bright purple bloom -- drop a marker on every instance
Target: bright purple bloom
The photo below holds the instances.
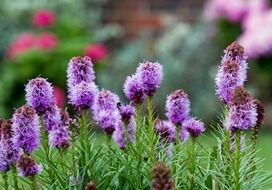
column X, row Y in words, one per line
column 227, row 79
column 177, row 107
column 105, row 100
column 51, row 118
column 80, row 70
column 26, row 128
column 184, row 134
column 127, row 112
column 60, row 137
column 8, row 153
column 134, row 90
column 108, row 120
column 119, row 135
column 82, row 95
column 194, row 127
column 166, row 130
column 150, row 75
column 39, row 94
column 242, row 113
column 28, row 167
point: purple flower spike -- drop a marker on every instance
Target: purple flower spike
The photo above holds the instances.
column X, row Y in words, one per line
column 177, row 107
column 39, row 94
column 166, row 130
column 80, row 70
column 82, row 95
column 127, row 112
column 28, row 167
column 150, row 75
column 26, row 128
column 134, row 90
column 108, row 120
column 242, row 111
column 132, row 130
column 184, row 134
column 227, row 79
column 194, row 127
column 60, row 137
column 105, row 100
column 119, row 135
column 51, row 118
column 8, row 153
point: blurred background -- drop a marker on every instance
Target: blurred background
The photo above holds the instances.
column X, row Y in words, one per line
column 186, row 36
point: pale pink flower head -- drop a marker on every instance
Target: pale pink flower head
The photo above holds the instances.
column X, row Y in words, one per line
column 96, row 51
column 59, row 96
column 47, row 41
column 43, row 18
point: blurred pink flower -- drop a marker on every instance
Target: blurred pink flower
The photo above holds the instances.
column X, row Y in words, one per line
column 23, row 43
column 43, row 18
column 47, row 41
column 96, row 51
column 59, row 96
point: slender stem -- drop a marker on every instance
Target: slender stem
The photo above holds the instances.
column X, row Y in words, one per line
column 150, row 128
column 237, row 160
column 35, row 185
column 192, row 164
column 227, row 152
column 5, row 179
column 138, row 143
column 14, row 174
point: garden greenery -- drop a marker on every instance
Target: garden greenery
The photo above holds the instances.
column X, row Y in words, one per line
column 42, row 147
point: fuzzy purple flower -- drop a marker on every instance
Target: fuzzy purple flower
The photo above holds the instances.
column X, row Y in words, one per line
column 26, row 128
column 134, row 90
column 194, row 127
column 82, row 95
column 60, row 137
column 166, row 130
column 184, row 134
column 127, row 112
column 8, row 153
column 51, row 118
column 150, row 75
column 80, row 70
column 177, row 107
column 108, row 120
column 242, row 113
column 227, row 79
column 39, row 94
column 105, row 100
column 119, row 135
column 28, row 167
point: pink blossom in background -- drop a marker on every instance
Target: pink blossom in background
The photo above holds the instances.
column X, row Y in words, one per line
column 47, row 41
column 23, row 43
column 96, row 51
column 59, row 96
column 43, row 18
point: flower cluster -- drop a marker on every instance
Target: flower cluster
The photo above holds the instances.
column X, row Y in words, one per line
column 161, row 177
column 28, row 167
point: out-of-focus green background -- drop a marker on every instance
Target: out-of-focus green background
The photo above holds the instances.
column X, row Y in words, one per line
column 37, row 38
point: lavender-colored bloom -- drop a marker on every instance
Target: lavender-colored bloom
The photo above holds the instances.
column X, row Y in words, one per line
column 39, row 94
column 119, row 135
column 105, row 100
column 8, row 153
column 134, row 90
column 127, row 112
column 82, row 95
column 28, row 167
column 194, row 127
column 132, row 130
column 242, row 113
column 184, row 134
column 177, row 107
column 150, row 75
column 80, row 70
column 108, row 120
column 60, row 137
column 227, row 79
column 166, row 130
column 51, row 118
column 26, row 128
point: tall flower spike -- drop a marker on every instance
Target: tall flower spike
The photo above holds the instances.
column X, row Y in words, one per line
column 108, row 120
column 150, row 75
column 134, row 90
column 194, row 127
column 8, row 153
column 82, row 95
column 260, row 112
column 39, row 94
column 242, row 113
column 26, row 128
column 28, row 167
column 161, row 177
column 105, row 100
column 127, row 112
column 132, row 130
column 119, row 135
column 80, row 70
column 60, row 137
column 166, row 130
column 51, row 118
column 177, row 107
column 227, row 79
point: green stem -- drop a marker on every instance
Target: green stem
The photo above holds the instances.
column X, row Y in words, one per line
column 14, row 174
column 192, row 164
column 35, row 185
column 237, row 159
column 138, row 143
column 150, row 128
column 5, row 179
column 227, row 151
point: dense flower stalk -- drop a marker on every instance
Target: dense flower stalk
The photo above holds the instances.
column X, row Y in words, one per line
column 150, row 75
column 119, row 135
column 161, row 177
column 51, row 117
column 90, row 186
column 26, row 128
column 28, row 167
column 166, row 130
column 60, row 137
column 39, row 94
column 108, row 120
column 105, row 100
column 194, row 127
column 127, row 112
column 8, row 153
column 177, row 107
column 134, row 90
column 132, row 130
column 242, row 112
